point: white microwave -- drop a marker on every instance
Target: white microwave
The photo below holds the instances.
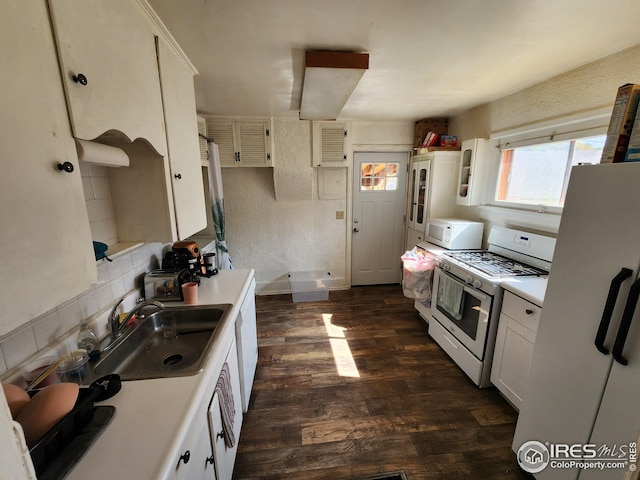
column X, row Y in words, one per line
column 454, row 234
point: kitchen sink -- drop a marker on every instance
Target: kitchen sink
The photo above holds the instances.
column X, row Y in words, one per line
column 144, row 353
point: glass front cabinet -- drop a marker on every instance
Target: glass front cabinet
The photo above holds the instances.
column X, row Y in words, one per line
column 419, row 182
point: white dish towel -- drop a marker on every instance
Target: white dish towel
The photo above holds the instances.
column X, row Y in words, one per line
column 451, row 296
column 227, row 406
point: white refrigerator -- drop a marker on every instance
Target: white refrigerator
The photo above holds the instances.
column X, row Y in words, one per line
column 584, row 385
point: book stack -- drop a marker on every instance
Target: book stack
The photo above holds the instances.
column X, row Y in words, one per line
column 430, row 140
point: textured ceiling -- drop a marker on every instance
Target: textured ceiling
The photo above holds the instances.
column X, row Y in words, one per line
column 428, row 58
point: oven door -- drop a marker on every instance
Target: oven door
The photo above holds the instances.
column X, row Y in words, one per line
column 462, row 310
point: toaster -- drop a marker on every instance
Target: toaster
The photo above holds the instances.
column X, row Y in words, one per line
column 165, row 285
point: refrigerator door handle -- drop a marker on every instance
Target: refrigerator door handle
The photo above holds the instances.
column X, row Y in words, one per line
column 609, row 306
column 625, row 323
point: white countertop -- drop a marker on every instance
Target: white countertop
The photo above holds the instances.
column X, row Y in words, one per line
column 529, row 288
column 431, row 248
column 150, row 418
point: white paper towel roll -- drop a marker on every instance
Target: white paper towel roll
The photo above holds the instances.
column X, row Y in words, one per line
column 100, row 154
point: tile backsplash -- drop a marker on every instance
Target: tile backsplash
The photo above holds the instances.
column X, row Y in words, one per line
column 97, row 197
column 123, row 277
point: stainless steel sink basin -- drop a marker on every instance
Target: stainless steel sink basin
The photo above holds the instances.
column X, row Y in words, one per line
column 145, row 353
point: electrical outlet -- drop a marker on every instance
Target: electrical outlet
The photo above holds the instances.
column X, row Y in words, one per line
column 340, row 215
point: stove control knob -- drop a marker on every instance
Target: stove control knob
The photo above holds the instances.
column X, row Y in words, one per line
column 446, row 267
column 477, row 284
column 469, row 280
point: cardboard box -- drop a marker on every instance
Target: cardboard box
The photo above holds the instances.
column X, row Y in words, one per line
column 426, row 125
column 633, row 149
column 621, row 124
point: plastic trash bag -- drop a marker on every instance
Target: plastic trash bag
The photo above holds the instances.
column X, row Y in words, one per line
column 417, row 274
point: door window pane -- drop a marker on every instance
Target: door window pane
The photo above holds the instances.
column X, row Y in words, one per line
column 379, row 176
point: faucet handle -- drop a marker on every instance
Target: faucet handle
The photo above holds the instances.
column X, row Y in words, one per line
column 114, row 312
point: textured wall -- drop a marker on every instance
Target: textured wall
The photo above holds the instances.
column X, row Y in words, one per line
column 294, row 232
column 275, row 221
column 586, row 88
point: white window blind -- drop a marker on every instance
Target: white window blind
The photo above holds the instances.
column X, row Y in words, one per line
column 580, row 125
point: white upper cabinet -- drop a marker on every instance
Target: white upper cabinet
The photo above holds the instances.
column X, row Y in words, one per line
column 473, row 168
column 182, row 142
column 45, row 243
column 242, row 143
column 109, row 69
column 418, row 195
column 330, row 144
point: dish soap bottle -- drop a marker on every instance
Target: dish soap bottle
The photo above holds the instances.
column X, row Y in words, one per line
column 87, row 340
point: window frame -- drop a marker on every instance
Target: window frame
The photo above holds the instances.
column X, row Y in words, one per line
column 573, row 127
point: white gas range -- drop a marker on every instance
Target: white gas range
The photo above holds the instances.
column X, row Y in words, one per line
column 467, row 296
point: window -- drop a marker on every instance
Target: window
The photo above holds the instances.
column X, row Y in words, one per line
column 378, row 176
column 539, row 174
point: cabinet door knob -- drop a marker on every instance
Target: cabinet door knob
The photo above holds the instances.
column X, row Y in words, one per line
column 185, row 457
column 220, row 435
column 209, row 460
column 65, row 167
column 80, row 78
column 528, row 311
column 178, row 176
column 356, row 229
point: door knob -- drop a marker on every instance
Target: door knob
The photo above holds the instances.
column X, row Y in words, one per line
column 80, row 78
column 356, row 229
column 65, row 167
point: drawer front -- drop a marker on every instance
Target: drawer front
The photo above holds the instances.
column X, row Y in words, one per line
column 463, row 358
column 521, row 310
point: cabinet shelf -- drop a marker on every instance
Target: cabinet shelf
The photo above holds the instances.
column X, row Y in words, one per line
column 472, row 171
column 119, row 249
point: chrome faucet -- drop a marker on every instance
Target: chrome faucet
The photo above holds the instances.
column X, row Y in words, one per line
column 116, row 326
column 114, row 320
column 137, row 308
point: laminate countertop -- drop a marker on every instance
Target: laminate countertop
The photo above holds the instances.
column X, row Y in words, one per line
column 532, row 289
column 152, row 416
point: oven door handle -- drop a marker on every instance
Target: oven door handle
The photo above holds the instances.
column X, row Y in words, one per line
column 474, row 292
column 625, row 323
column 609, row 306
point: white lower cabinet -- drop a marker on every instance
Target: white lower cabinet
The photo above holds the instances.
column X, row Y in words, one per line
column 194, row 460
column 413, row 238
column 203, row 453
column 225, row 457
column 247, row 342
column 514, row 347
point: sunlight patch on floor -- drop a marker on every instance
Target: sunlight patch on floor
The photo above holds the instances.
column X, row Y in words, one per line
column 345, row 364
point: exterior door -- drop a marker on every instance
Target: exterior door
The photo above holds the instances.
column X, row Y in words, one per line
column 378, row 217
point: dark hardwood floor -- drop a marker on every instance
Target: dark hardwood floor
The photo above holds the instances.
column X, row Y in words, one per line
column 354, row 386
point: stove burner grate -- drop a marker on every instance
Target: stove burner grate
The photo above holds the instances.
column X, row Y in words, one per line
column 494, row 264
